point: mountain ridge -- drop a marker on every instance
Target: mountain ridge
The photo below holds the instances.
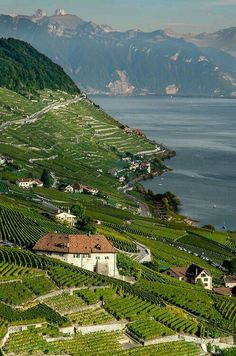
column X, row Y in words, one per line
column 129, row 62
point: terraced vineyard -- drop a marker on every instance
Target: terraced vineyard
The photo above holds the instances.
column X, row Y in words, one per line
column 149, row 329
column 227, row 308
column 197, row 302
column 38, row 313
column 29, row 342
column 90, row 317
column 118, row 240
column 64, row 303
column 133, row 308
column 25, row 227
column 14, row 293
column 92, row 344
column 170, row 349
column 79, row 140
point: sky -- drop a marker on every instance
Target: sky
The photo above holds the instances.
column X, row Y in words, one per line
column 184, row 16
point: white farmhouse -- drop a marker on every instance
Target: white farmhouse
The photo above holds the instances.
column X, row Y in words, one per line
column 94, row 253
column 28, row 183
column 65, row 218
column 191, row 274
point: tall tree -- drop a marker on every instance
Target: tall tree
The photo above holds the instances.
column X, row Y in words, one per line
column 45, row 178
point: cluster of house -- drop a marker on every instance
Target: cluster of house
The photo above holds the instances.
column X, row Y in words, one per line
column 80, row 188
column 230, row 284
column 130, row 131
column 92, row 252
column 28, row 183
column 197, row 275
column 133, row 166
column 5, row 160
column 192, row 274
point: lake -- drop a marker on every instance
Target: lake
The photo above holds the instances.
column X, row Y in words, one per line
column 203, row 134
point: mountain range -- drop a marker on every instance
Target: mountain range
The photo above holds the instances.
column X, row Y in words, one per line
column 102, row 60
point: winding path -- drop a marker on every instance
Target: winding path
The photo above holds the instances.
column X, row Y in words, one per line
column 36, row 116
column 144, row 209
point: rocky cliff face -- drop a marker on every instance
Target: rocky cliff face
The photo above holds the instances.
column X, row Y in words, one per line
column 103, row 60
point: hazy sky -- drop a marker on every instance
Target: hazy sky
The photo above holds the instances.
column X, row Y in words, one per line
column 179, row 15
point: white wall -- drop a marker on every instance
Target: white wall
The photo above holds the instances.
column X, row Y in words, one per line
column 89, row 263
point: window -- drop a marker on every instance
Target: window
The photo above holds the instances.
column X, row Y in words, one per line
column 106, row 257
column 97, row 258
column 203, row 275
column 85, row 255
column 206, row 279
column 76, row 255
column 206, row 284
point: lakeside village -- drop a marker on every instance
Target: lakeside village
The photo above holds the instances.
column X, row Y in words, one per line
column 130, row 168
column 95, row 252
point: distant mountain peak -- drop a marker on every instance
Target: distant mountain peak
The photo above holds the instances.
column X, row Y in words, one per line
column 60, row 12
column 40, row 13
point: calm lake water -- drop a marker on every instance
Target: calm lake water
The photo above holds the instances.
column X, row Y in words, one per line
column 203, row 133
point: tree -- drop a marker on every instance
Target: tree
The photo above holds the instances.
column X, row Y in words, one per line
column 233, row 264
column 45, row 178
column 84, row 221
column 78, row 210
column 233, row 290
column 209, row 227
column 227, row 265
column 230, row 265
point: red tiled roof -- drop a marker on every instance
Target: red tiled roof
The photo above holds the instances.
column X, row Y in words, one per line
column 29, row 180
column 223, row 291
column 74, row 244
column 25, row 180
column 230, row 279
column 179, row 271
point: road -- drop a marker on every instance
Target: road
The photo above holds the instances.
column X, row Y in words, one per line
column 144, row 209
column 36, row 116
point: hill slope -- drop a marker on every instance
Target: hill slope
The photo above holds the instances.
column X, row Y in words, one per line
column 25, row 69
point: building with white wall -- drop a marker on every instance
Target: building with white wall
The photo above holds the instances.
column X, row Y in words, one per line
column 191, row 274
column 94, row 253
column 28, row 183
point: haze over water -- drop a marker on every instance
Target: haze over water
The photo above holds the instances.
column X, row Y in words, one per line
column 203, row 133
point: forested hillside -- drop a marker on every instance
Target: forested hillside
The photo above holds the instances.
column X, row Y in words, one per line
column 24, row 69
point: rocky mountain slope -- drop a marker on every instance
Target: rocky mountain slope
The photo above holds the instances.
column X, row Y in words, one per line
column 103, row 60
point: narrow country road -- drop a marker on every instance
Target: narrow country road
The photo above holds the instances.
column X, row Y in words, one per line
column 36, row 116
column 144, row 209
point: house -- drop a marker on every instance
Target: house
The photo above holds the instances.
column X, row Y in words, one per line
column 2, row 160
column 230, row 281
column 122, row 179
column 65, row 218
column 133, row 166
column 128, row 130
column 138, row 132
column 94, row 253
column 69, row 189
column 191, row 274
column 227, row 292
column 196, row 274
column 5, row 160
column 27, row 183
column 80, row 188
column 145, row 166
column 177, row 273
